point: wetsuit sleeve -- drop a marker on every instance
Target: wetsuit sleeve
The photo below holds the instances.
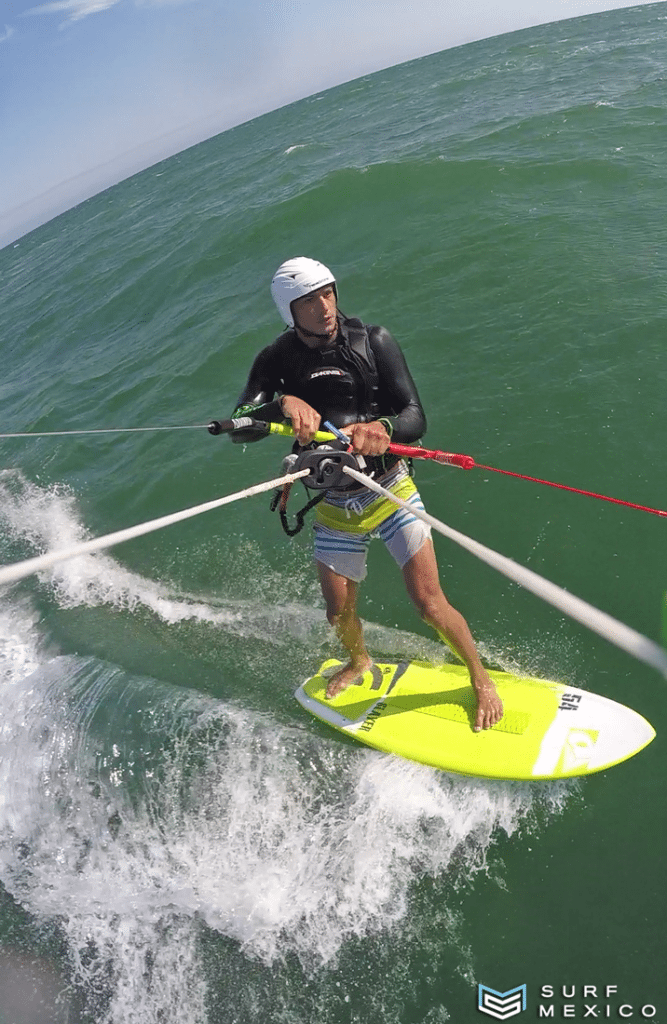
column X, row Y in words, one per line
column 397, row 387
column 257, row 397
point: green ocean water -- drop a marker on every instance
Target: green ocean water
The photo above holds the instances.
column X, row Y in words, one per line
column 179, row 842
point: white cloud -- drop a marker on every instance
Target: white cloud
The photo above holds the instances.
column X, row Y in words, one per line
column 7, row 34
column 164, row 3
column 77, row 9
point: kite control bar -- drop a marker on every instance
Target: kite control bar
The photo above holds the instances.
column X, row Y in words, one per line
column 324, row 463
column 404, row 450
column 240, row 423
column 415, row 452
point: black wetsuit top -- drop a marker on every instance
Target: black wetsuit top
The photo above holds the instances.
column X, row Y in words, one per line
column 359, row 377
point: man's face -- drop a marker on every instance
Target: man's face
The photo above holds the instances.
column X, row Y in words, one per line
column 317, row 313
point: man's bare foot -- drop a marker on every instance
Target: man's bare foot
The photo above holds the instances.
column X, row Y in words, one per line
column 489, row 704
column 347, row 675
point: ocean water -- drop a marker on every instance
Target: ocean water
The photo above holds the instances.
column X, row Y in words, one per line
column 179, row 842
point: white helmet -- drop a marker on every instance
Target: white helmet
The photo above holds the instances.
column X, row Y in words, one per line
column 296, row 278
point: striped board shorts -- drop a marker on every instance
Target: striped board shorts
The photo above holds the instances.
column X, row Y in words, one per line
column 345, row 524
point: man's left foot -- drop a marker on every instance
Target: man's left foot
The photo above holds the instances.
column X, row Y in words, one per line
column 489, row 704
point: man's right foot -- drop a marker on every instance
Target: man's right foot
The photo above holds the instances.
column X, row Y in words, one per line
column 345, row 676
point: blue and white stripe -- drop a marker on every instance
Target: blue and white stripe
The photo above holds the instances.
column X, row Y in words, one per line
column 345, row 553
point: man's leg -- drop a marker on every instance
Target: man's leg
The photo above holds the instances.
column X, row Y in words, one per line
column 340, row 595
column 423, row 584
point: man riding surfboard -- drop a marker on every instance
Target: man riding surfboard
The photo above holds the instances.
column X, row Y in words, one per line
column 326, row 366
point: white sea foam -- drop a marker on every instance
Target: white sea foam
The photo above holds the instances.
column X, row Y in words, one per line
column 44, row 519
column 280, row 843
column 47, row 519
column 134, row 814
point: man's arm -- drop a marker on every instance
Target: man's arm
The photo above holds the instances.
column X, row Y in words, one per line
column 408, row 420
column 257, row 397
column 405, row 421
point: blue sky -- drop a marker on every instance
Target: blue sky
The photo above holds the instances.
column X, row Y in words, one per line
column 94, row 90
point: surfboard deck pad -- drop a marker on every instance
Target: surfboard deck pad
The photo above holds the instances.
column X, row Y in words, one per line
column 426, row 713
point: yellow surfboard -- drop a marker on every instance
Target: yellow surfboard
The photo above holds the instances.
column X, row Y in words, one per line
column 426, row 712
